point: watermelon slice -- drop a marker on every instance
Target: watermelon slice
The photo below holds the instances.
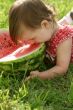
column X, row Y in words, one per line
column 17, row 56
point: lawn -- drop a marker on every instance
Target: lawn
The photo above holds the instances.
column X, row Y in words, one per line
column 55, row 94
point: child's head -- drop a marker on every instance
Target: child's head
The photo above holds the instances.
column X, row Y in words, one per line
column 31, row 19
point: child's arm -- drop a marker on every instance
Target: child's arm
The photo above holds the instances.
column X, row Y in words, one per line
column 62, row 63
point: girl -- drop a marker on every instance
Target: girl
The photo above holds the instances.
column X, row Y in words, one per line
column 33, row 20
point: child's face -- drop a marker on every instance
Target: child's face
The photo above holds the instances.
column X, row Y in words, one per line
column 39, row 35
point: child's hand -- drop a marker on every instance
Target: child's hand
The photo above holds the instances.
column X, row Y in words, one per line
column 42, row 75
column 33, row 74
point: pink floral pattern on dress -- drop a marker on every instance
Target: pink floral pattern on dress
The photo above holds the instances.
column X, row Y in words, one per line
column 66, row 32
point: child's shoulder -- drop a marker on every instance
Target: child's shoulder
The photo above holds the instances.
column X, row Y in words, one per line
column 64, row 32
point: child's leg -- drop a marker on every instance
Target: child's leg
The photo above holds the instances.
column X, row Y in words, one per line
column 68, row 19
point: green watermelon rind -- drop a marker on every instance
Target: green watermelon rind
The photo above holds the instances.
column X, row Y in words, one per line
column 29, row 62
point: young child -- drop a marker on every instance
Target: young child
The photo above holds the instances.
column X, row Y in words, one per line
column 33, row 20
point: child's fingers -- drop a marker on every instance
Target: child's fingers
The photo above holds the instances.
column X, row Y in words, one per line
column 32, row 75
column 27, row 78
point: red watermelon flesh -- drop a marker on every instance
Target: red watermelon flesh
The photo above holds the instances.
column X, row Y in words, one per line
column 6, row 45
column 9, row 48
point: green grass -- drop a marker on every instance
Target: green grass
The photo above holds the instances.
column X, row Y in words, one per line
column 56, row 94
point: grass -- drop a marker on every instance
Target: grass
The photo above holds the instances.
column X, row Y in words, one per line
column 56, row 94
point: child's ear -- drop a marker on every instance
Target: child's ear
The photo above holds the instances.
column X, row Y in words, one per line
column 45, row 24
